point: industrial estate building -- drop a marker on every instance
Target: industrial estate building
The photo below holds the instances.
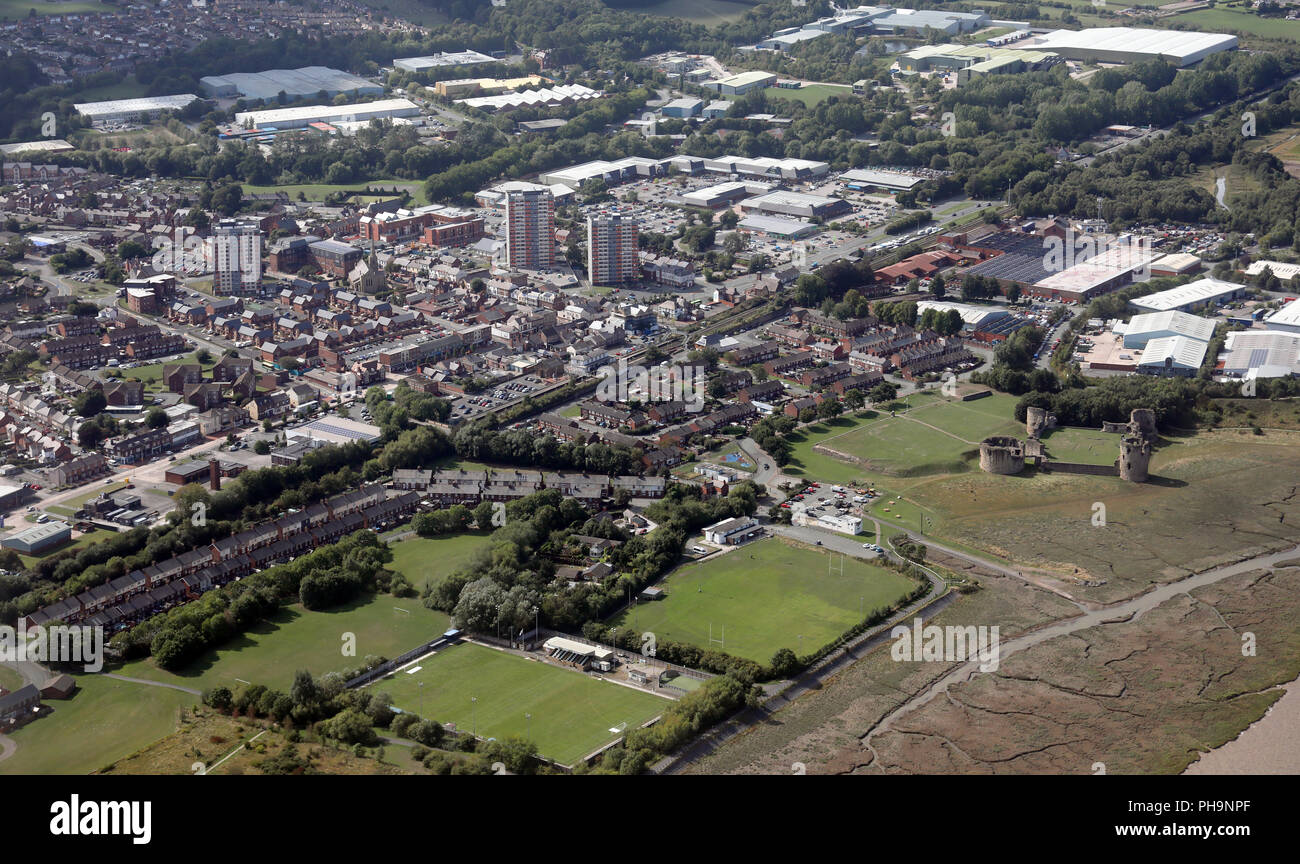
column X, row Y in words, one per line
column 1190, row 297
column 1286, row 319
column 970, row 61
column 1130, row 45
column 563, row 94
column 38, row 538
column 1260, row 354
column 309, row 81
column 739, row 85
column 297, row 118
column 442, row 60
column 1142, row 329
column 132, row 110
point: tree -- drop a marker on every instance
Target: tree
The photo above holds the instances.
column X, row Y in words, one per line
column 156, row 418
column 784, row 663
column 304, row 691
column 479, row 605
column 261, row 447
column 937, row 287
column 885, row 391
column 89, row 403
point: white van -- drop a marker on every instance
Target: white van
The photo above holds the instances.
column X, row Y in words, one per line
column 699, row 550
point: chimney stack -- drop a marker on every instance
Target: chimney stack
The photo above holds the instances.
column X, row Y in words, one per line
column 214, row 474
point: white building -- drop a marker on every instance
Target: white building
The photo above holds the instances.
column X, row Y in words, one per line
column 297, row 118
column 1190, row 297
column 1154, row 325
column 732, row 532
column 1173, row 356
column 132, row 110
column 1287, row 318
column 1261, row 354
column 237, row 257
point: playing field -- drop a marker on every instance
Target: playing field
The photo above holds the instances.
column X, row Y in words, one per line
column 572, row 713
column 429, row 560
column 767, row 594
column 102, row 722
column 296, row 639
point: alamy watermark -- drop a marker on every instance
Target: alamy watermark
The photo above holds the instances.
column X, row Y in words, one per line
column 949, row 644
column 57, row 643
column 664, row 383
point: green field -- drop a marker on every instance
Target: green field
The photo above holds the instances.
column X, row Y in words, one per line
column 295, row 638
column 766, row 594
column 933, row 437
column 104, row 720
column 708, row 12
column 572, row 713
column 11, row 9
column 809, row 94
column 1221, row 20
column 429, row 560
column 1090, row 446
column 318, row 191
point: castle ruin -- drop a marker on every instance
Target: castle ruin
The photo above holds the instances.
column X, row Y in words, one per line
column 1002, row 454
column 1006, row 454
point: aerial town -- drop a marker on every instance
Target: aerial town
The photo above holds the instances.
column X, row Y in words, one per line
column 657, row 383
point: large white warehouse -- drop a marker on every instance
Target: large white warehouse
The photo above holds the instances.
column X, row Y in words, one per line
column 296, row 118
column 1131, row 45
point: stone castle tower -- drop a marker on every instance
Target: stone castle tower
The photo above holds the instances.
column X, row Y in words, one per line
column 1038, row 420
column 1134, row 458
column 1002, row 454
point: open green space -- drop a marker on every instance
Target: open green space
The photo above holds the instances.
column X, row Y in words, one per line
column 1222, row 19
column 809, row 94
column 767, row 595
column 430, row 560
column 12, row 9
column 935, row 436
column 708, row 12
column 105, row 720
column 1073, row 444
column 318, row 191
column 297, row 638
column 572, row 713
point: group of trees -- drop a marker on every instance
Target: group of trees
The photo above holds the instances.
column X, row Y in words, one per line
column 510, row 584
